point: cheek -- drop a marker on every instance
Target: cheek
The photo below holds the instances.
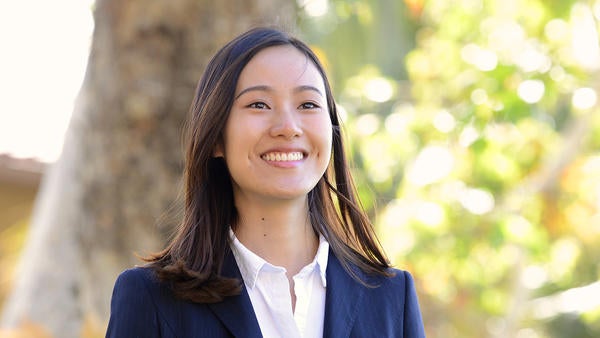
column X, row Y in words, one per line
column 236, row 134
column 322, row 138
column 240, row 141
column 323, row 130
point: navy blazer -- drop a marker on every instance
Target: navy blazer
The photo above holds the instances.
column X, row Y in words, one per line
column 143, row 307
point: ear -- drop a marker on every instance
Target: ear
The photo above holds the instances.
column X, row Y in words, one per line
column 218, row 152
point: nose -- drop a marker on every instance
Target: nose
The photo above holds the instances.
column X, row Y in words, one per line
column 286, row 124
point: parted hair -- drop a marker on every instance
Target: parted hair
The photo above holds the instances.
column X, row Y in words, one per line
column 191, row 263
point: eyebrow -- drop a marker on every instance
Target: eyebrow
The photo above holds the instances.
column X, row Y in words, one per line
column 265, row 88
column 303, row 88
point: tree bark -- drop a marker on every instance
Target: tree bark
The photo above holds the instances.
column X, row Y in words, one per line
column 106, row 197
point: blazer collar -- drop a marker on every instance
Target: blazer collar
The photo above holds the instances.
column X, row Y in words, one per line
column 236, row 312
column 342, row 300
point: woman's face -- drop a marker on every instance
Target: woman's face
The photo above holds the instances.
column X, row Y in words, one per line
column 277, row 140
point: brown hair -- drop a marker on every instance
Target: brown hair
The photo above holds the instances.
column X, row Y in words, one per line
column 192, row 261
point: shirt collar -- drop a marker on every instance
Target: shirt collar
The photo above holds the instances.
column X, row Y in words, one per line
column 321, row 258
column 250, row 264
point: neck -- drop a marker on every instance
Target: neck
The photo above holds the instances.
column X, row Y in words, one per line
column 280, row 233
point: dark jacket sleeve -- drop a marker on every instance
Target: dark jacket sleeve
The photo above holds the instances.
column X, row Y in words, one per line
column 413, row 322
column 132, row 309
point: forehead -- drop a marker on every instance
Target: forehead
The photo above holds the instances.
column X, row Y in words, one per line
column 280, row 65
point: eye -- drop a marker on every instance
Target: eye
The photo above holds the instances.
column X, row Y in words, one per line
column 258, row 105
column 309, row 105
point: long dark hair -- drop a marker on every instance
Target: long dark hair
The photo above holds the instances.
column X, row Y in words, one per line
column 192, row 261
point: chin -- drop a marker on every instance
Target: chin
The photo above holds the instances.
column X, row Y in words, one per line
column 290, row 194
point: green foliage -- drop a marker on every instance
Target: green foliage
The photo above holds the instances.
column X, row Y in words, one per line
column 475, row 129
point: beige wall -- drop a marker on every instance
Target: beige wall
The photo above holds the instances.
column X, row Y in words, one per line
column 18, row 188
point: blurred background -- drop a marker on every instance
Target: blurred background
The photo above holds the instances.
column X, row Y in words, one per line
column 473, row 127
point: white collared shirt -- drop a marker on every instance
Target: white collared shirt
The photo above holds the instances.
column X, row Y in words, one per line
column 269, row 292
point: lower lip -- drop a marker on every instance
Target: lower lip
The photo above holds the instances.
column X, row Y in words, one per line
column 284, row 164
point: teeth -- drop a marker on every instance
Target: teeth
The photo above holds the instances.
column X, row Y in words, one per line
column 283, row 157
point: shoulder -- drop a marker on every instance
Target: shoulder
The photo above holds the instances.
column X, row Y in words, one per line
column 395, row 288
column 143, row 306
column 138, row 276
column 133, row 304
column 379, row 305
column 397, row 279
column 138, row 282
column 138, row 287
column 399, row 284
column 393, row 304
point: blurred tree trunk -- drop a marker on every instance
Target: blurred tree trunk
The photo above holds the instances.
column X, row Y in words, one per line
column 120, row 168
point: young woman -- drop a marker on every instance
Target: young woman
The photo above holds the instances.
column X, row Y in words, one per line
column 273, row 242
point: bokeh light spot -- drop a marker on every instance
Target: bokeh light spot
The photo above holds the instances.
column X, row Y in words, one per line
column 432, row 164
column 378, row 90
column 444, row 121
column 367, row 124
column 584, row 98
column 531, row 91
column 314, row 8
column 476, row 201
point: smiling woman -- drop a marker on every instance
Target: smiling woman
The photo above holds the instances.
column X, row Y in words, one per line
column 263, row 249
column 277, row 140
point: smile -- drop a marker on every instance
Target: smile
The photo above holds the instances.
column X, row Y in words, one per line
column 283, row 157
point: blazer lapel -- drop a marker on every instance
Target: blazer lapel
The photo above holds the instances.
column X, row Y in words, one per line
column 236, row 312
column 342, row 300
